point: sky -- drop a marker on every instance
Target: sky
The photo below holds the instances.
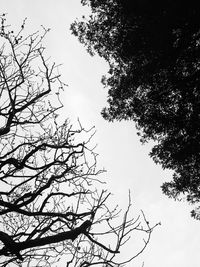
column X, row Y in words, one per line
column 176, row 242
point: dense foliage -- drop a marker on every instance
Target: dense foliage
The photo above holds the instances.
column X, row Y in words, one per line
column 153, row 49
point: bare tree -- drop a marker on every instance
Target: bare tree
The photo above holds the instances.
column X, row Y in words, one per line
column 50, row 207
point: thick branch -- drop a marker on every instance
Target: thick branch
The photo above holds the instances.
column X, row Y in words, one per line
column 69, row 235
column 12, row 207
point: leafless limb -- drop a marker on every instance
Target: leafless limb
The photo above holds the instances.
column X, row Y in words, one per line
column 50, row 208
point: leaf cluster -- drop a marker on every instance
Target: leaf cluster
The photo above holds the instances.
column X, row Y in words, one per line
column 153, row 50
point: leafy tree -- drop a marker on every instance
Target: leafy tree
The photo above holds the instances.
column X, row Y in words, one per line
column 50, row 207
column 153, row 49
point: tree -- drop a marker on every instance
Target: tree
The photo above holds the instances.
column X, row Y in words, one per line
column 153, row 48
column 50, row 207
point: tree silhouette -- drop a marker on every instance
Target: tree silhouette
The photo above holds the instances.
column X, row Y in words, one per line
column 152, row 48
column 52, row 202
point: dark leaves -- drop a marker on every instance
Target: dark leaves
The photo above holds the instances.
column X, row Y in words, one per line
column 153, row 48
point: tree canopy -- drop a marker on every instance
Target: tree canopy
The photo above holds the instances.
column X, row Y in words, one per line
column 53, row 202
column 153, row 49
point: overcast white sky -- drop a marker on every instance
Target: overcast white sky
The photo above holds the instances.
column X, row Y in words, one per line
column 176, row 242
